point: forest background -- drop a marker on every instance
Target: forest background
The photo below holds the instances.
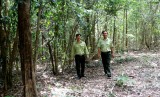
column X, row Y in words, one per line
column 34, row 32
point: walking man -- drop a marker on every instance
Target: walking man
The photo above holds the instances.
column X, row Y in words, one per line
column 79, row 51
column 105, row 49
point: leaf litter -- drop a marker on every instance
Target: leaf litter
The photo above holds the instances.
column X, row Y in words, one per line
column 134, row 74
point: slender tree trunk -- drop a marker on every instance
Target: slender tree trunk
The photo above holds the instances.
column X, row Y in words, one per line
column 51, row 55
column 56, row 58
column 37, row 37
column 153, row 27
column 3, row 46
column 93, row 42
column 136, row 25
column 0, row 32
column 105, row 26
column 13, row 58
column 87, row 29
column 126, row 32
column 4, row 57
column 42, row 48
column 71, row 40
column 142, row 45
column 64, row 45
column 114, row 32
column 55, row 48
column 25, row 49
column 8, row 72
column 123, row 39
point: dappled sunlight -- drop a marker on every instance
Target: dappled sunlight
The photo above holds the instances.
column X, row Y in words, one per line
column 55, row 92
column 45, row 75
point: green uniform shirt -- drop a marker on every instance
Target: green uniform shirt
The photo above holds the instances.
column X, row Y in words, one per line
column 79, row 48
column 105, row 45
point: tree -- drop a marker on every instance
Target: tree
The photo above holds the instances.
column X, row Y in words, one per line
column 3, row 48
column 25, row 49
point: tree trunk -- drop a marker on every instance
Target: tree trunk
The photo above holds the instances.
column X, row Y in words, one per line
column 0, row 33
column 93, row 42
column 87, row 28
column 51, row 55
column 126, row 32
column 42, row 48
column 123, row 39
column 55, row 48
column 71, row 40
column 114, row 32
column 8, row 72
column 37, row 37
column 142, row 45
column 153, row 25
column 12, row 59
column 64, row 43
column 136, row 26
column 25, row 49
column 3, row 48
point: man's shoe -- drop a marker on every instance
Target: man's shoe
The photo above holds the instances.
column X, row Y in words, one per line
column 83, row 76
column 78, row 77
column 108, row 75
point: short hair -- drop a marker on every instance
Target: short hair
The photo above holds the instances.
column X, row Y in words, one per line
column 78, row 35
column 103, row 32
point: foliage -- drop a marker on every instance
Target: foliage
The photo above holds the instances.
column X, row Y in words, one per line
column 113, row 6
column 61, row 19
column 122, row 80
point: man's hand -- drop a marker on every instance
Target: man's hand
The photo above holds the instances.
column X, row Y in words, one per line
column 112, row 55
column 99, row 56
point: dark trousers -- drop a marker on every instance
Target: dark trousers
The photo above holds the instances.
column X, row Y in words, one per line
column 80, row 65
column 106, row 58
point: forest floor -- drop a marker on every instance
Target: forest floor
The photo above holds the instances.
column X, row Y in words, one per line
column 134, row 74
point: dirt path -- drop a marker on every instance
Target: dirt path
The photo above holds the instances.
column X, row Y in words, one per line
column 134, row 75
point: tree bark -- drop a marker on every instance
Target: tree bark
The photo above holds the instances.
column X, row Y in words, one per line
column 51, row 55
column 0, row 32
column 12, row 59
column 114, row 32
column 37, row 37
column 123, row 39
column 25, row 49
column 126, row 32
column 3, row 46
column 93, row 42
column 55, row 48
column 71, row 40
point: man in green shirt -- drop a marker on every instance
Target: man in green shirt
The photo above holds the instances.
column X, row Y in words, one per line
column 105, row 49
column 79, row 51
